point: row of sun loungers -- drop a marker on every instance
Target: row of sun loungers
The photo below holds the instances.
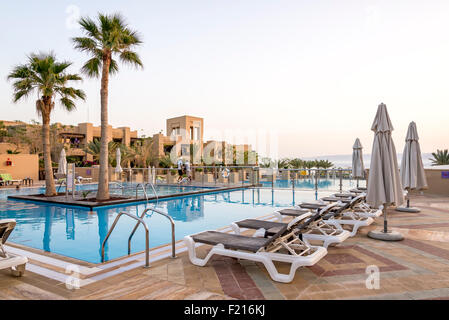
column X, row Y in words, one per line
column 324, row 222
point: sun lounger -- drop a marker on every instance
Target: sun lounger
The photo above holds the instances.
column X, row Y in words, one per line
column 319, row 230
column 315, row 228
column 345, row 215
column 81, row 179
column 6, row 179
column 359, row 207
column 7, row 260
column 283, row 246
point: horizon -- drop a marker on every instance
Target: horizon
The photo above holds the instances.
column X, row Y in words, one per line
column 312, row 74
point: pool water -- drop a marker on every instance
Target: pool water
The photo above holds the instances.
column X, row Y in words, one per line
column 78, row 233
column 309, row 184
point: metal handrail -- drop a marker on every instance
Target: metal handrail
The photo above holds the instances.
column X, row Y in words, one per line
column 147, row 236
column 120, row 185
column 144, row 191
column 154, row 191
column 172, row 230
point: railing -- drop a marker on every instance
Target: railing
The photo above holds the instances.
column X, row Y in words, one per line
column 147, row 236
column 173, row 241
column 201, row 175
column 154, row 191
column 314, row 179
column 144, row 190
column 120, row 185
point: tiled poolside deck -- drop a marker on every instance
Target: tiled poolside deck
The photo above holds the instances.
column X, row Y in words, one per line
column 416, row 268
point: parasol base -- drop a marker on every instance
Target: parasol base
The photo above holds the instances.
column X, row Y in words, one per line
column 389, row 236
column 408, row 209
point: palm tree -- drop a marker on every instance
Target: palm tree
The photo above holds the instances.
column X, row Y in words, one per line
column 440, row 158
column 266, row 162
column 296, row 163
column 94, row 148
column 105, row 38
column 47, row 78
column 325, row 164
column 283, row 163
column 142, row 153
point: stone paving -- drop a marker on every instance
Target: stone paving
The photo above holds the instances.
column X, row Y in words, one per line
column 415, row 268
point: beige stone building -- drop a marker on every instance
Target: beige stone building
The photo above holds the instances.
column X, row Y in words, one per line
column 76, row 138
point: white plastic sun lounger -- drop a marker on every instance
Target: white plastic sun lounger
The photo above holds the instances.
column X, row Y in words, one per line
column 344, row 216
column 284, row 246
column 359, row 207
column 318, row 229
column 7, row 260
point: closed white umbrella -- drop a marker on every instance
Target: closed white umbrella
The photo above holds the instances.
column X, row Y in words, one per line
column 384, row 183
column 62, row 164
column 150, row 174
column 413, row 176
column 118, row 159
column 358, row 169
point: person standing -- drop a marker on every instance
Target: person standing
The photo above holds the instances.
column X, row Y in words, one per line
column 180, row 173
column 188, row 170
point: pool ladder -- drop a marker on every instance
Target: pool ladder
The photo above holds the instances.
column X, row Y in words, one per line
column 147, row 233
column 144, row 188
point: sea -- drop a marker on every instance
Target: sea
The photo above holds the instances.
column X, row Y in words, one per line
column 345, row 160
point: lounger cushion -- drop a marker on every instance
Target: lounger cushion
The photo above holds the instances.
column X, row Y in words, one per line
column 257, row 224
column 232, row 241
column 344, row 195
column 293, row 212
column 333, row 199
column 312, row 205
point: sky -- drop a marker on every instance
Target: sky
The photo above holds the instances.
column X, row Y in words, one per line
column 307, row 74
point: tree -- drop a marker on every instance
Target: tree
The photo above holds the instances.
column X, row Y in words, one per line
column 94, row 148
column 103, row 39
column 296, row 163
column 266, row 162
column 44, row 76
column 283, row 163
column 142, row 153
column 440, row 158
column 325, row 164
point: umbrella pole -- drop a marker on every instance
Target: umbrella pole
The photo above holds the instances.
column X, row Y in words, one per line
column 357, row 179
column 384, row 234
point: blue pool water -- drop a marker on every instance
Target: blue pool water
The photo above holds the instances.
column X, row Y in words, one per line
column 309, row 184
column 78, row 233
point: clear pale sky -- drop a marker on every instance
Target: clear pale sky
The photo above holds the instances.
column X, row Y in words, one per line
column 313, row 71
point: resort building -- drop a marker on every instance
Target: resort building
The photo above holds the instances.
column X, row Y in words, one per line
column 186, row 134
column 73, row 138
column 76, row 138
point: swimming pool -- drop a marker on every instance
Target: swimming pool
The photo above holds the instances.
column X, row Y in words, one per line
column 309, row 184
column 78, row 233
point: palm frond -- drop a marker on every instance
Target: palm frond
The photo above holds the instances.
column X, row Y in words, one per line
column 92, row 67
column 130, row 57
column 90, row 28
column 85, row 44
column 67, row 103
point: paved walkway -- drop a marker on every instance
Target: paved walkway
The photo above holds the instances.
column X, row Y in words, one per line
column 416, row 268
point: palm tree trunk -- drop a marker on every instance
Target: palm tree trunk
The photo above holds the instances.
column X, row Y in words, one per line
column 103, row 180
column 50, row 189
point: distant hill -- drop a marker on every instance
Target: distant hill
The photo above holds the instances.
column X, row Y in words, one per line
column 345, row 160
